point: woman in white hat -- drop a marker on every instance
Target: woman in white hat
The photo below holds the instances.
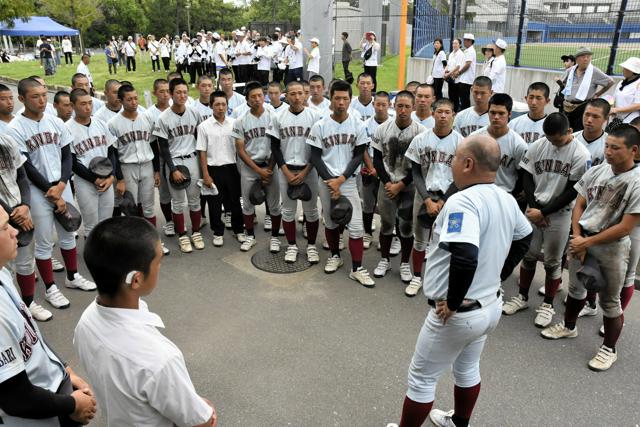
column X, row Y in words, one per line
column 370, row 52
column 498, row 70
column 627, row 94
column 313, row 66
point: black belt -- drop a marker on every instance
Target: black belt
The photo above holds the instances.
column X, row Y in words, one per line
column 462, row 309
column 295, row 168
column 261, row 165
column 589, row 233
column 188, row 156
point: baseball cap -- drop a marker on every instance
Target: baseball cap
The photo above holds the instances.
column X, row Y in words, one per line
column 501, row 44
column 372, row 32
column 101, row 166
column 257, row 195
column 277, row 29
column 128, row 204
column 184, row 184
column 70, row 220
column 240, row 33
column 486, row 48
column 632, row 64
column 583, row 50
column 341, row 211
column 216, row 36
column 468, row 36
column 243, row 28
column 568, row 57
column 315, row 40
column 299, row 192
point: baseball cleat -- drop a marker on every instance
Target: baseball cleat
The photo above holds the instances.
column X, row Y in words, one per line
column 603, row 359
column 80, row 282
column 54, row 297
column 558, row 331
column 248, row 243
column 366, row 240
column 312, row 254
column 587, row 310
column 39, row 313
column 514, row 305
column 405, row 272
column 382, row 268
column 361, row 275
column 185, row 244
column 267, row 223
column 541, row 291
column 274, row 245
column 165, row 249
column 333, row 264
column 441, row 418
column 291, row 254
column 544, row 316
column 218, row 241
column 57, row 265
column 198, row 241
column 169, row 229
column 395, row 246
column 240, row 237
column 413, row 287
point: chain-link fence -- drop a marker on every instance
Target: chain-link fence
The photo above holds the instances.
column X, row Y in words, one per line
column 538, row 32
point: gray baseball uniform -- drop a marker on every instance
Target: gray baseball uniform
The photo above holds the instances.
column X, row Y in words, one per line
column 512, row 148
column 595, row 147
column 530, row 130
column 468, row 121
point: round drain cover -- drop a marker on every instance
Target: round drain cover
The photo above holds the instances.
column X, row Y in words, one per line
column 274, row 263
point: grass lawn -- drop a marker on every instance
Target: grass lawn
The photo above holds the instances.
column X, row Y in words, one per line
column 387, row 75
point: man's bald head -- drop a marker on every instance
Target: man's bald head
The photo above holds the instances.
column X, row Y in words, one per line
column 484, row 150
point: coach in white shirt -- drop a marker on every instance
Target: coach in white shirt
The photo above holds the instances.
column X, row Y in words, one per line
column 67, row 49
column 370, row 60
column 83, row 68
column 293, row 58
column 468, row 71
column 139, row 375
column 313, row 67
column 498, row 70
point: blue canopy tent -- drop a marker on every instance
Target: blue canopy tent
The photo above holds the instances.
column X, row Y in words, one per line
column 36, row 26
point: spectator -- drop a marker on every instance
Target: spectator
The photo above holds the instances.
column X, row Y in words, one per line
column 165, row 53
column 130, row 52
column 498, row 71
column 487, row 51
column 581, row 85
column 111, row 52
column 46, row 55
column 346, row 55
column 154, row 52
column 139, row 375
column 83, row 67
column 439, row 63
column 568, row 61
column 121, row 51
column 455, row 62
column 36, row 386
column 293, row 58
column 467, row 73
column 370, row 56
column 67, row 49
column 627, row 94
column 313, row 67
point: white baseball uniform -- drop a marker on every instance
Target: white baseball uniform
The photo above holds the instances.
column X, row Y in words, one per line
column 595, row 147
column 203, row 109
column 322, row 107
column 530, row 130
column 428, row 123
column 163, row 191
column 366, row 111
column 512, row 148
column 468, row 121
column 234, row 101
column 89, row 142
column 105, row 113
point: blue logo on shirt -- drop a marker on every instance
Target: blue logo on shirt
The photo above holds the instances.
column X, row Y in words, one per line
column 455, row 222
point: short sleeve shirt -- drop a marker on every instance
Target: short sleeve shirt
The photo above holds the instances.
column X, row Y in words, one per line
column 90, row 141
column 179, row 130
column 9, row 190
column 468, row 121
column 293, row 130
column 253, row 131
column 595, row 147
column 393, row 143
column 598, row 78
column 530, row 130
column 434, row 155
column 512, row 148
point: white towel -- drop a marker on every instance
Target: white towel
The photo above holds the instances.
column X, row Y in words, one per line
column 583, row 89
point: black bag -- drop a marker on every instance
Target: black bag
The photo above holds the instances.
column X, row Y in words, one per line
column 615, row 123
column 558, row 100
column 368, row 53
column 349, row 77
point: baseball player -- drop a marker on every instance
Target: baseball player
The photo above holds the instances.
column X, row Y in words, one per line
column 369, row 175
column 205, row 88
column 137, row 164
column 481, row 237
column 113, row 105
column 316, row 90
column 63, row 106
column 80, row 81
column 431, row 154
column 225, row 84
column 257, row 164
column 512, row 146
column 274, row 92
column 175, row 131
column 36, row 385
column 45, row 142
column 49, row 109
column 91, row 139
column 529, row 126
column 363, row 104
column 425, row 96
column 606, row 211
column 473, row 118
column 395, row 196
column 552, row 166
column 288, row 132
column 6, row 107
column 593, row 136
column 337, row 144
column 217, row 152
column 219, row 54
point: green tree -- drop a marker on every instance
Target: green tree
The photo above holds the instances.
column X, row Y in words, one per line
column 11, row 9
column 80, row 14
column 273, row 10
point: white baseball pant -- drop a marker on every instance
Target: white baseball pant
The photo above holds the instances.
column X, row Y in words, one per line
column 421, row 234
column 247, row 178
column 388, row 209
column 44, row 222
column 349, row 189
column 25, row 263
column 163, row 190
column 190, row 196
column 289, row 206
column 94, row 205
column 139, row 180
column 634, row 257
column 553, row 240
column 458, row 343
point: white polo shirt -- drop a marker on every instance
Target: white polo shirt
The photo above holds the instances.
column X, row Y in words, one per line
column 468, row 76
column 138, row 375
column 215, row 138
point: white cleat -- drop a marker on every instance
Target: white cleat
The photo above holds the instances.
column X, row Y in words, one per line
column 248, row 243
column 291, row 254
column 54, row 297
column 382, row 268
column 362, row 276
column 39, row 313
column 405, row 272
column 80, row 282
column 312, row 254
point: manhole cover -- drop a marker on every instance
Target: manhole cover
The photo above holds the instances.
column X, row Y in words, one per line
column 274, row 263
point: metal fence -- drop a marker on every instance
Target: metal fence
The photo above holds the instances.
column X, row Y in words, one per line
column 538, row 32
